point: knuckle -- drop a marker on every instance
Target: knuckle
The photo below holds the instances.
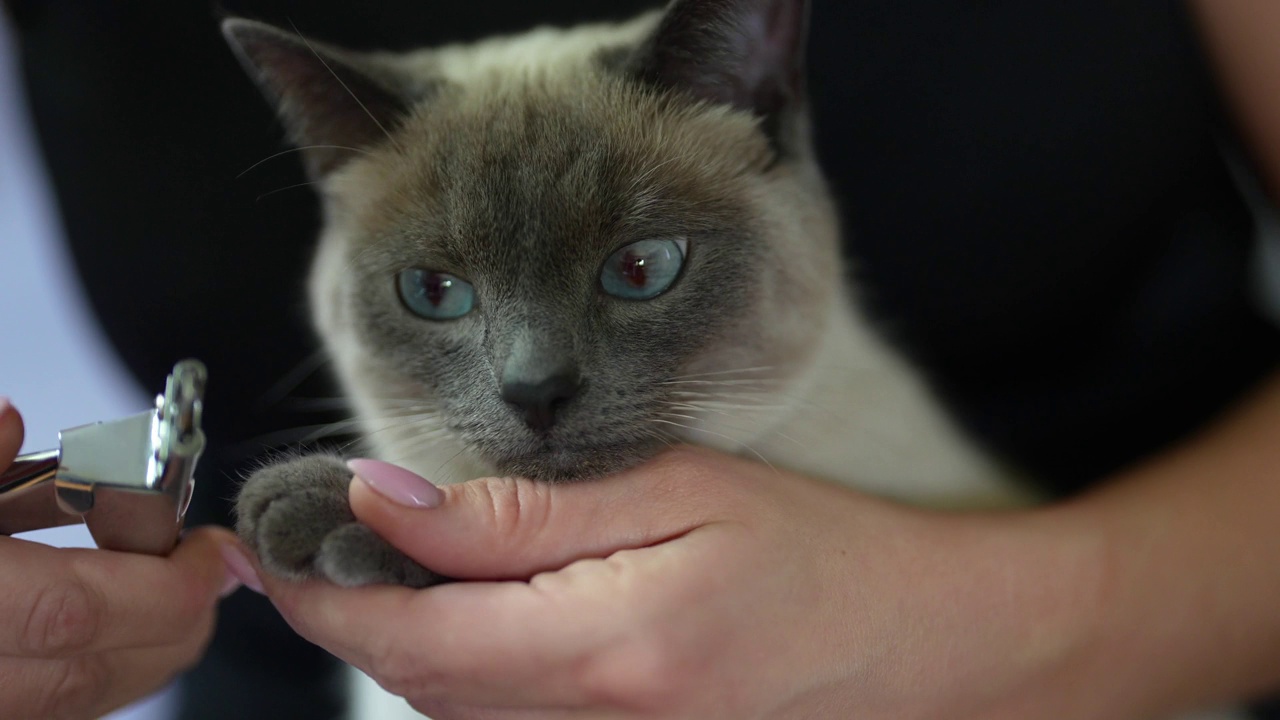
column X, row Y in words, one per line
column 194, row 600
column 64, row 618
column 380, row 666
column 400, row 669
column 78, row 689
column 640, row 674
column 194, row 648
column 434, row 707
column 394, row 684
column 515, row 507
column 389, row 666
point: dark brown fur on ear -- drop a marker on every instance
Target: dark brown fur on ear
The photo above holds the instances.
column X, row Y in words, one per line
column 745, row 53
column 332, row 101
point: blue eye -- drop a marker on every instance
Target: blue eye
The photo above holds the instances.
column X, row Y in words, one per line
column 435, row 295
column 643, row 270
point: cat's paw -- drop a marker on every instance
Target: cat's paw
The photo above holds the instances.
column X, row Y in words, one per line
column 295, row 515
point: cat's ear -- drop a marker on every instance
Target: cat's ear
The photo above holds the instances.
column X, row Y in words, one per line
column 749, row 54
column 331, row 100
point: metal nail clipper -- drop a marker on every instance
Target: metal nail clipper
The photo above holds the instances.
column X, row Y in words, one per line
column 129, row 480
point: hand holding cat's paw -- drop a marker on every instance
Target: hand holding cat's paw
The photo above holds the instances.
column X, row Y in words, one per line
column 648, row 593
column 295, row 514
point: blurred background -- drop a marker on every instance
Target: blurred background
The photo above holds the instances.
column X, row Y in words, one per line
column 1047, row 211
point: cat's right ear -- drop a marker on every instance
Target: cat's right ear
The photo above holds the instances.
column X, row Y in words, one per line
column 332, row 101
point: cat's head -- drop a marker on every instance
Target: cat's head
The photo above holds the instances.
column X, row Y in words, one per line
column 559, row 251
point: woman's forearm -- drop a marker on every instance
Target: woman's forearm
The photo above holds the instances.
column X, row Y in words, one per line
column 1240, row 36
column 1190, row 593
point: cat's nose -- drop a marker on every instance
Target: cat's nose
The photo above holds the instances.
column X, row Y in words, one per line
column 539, row 400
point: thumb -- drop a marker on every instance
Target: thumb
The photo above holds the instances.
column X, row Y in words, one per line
column 10, row 432
column 33, row 507
column 493, row 529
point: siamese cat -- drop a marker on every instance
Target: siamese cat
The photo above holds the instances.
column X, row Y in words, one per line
column 554, row 254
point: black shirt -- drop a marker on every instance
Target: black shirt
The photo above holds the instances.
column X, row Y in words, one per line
column 1039, row 209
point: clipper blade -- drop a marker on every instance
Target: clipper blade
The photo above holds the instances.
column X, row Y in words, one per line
column 129, row 479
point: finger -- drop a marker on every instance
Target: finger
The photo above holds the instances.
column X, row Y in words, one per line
column 31, row 508
column 454, row 711
column 11, row 432
column 89, row 686
column 551, row 642
column 427, row 655
column 504, row 528
column 60, row 602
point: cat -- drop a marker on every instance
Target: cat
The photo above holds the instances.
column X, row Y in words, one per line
column 556, row 253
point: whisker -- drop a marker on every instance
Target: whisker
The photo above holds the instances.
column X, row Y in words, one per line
column 382, row 423
column 721, row 406
column 705, row 388
column 346, row 447
column 648, row 174
column 740, row 444
column 325, row 63
column 250, row 169
column 408, row 423
column 283, row 189
column 448, row 462
column 735, row 412
column 302, row 434
column 791, row 440
column 292, row 379
column 314, row 404
column 753, row 422
column 677, row 415
column 662, row 437
column 351, row 262
column 761, row 368
column 744, row 393
column 721, row 383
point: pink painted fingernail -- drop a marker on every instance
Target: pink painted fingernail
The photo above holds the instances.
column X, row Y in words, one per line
column 397, row 484
column 241, row 569
column 230, row 585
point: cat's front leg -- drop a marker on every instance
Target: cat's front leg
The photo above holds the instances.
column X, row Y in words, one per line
column 296, row 516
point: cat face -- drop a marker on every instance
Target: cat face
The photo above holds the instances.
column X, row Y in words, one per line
column 558, row 253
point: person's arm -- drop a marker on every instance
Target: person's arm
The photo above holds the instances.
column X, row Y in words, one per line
column 1195, row 535
column 1190, row 607
column 1243, row 38
column 83, row 632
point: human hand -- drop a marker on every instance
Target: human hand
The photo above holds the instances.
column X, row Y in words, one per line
column 703, row 586
column 84, row 632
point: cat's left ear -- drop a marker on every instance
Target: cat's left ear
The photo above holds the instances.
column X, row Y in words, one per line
column 749, row 54
column 330, row 99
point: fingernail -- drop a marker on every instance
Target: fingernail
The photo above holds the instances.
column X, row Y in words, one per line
column 241, row 569
column 397, row 484
column 6, row 405
column 230, row 585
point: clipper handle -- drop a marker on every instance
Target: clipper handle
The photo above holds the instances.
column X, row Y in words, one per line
column 27, row 499
column 28, row 471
